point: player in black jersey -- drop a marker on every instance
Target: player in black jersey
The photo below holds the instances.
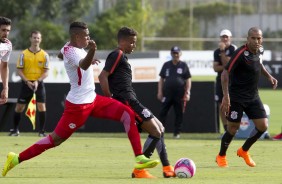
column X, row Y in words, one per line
column 116, row 81
column 240, row 93
column 221, row 57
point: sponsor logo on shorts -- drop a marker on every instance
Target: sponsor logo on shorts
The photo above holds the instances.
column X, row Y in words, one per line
column 234, row 115
column 72, row 125
column 146, row 113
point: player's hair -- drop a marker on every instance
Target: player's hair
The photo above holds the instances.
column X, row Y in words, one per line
column 254, row 29
column 125, row 32
column 5, row 21
column 34, row 32
column 77, row 26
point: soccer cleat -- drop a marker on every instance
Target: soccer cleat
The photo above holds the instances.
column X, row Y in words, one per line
column 41, row 134
column 141, row 173
column 221, row 161
column 11, row 162
column 143, row 162
column 277, row 137
column 168, row 171
column 176, row 136
column 246, row 156
column 14, row 132
column 266, row 136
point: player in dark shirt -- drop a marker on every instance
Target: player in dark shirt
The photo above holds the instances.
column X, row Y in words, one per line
column 174, row 89
column 116, row 81
column 221, row 57
column 240, row 93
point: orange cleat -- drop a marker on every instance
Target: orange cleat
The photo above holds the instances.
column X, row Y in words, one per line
column 221, row 161
column 168, row 171
column 141, row 173
column 246, row 156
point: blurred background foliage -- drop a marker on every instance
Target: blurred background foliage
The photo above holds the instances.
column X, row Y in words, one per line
column 159, row 19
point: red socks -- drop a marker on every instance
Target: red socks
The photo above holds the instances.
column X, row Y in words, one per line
column 37, row 148
column 132, row 133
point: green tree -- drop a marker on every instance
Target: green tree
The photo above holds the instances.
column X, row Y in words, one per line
column 125, row 13
column 54, row 36
column 177, row 23
column 274, row 46
column 48, row 10
column 50, row 17
column 209, row 12
column 15, row 9
column 73, row 10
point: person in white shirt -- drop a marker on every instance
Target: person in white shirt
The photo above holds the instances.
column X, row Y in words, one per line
column 5, row 52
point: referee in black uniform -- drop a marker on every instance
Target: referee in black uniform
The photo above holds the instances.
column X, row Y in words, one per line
column 174, row 89
column 240, row 93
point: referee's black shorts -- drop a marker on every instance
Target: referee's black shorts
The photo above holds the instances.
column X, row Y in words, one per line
column 26, row 93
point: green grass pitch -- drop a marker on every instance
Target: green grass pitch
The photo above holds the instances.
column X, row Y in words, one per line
column 108, row 159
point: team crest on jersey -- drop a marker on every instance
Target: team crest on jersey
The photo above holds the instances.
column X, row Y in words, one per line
column 179, row 70
column 261, row 49
column 72, row 126
column 246, row 53
column 234, row 115
column 146, row 113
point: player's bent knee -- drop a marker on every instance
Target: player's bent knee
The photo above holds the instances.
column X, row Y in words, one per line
column 156, row 133
column 57, row 140
column 232, row 130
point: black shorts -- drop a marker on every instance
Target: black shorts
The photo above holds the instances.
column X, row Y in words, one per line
column 142, row 113
column 253, row 109
column 26, row 94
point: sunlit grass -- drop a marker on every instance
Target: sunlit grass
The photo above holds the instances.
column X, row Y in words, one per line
column 108, row 158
